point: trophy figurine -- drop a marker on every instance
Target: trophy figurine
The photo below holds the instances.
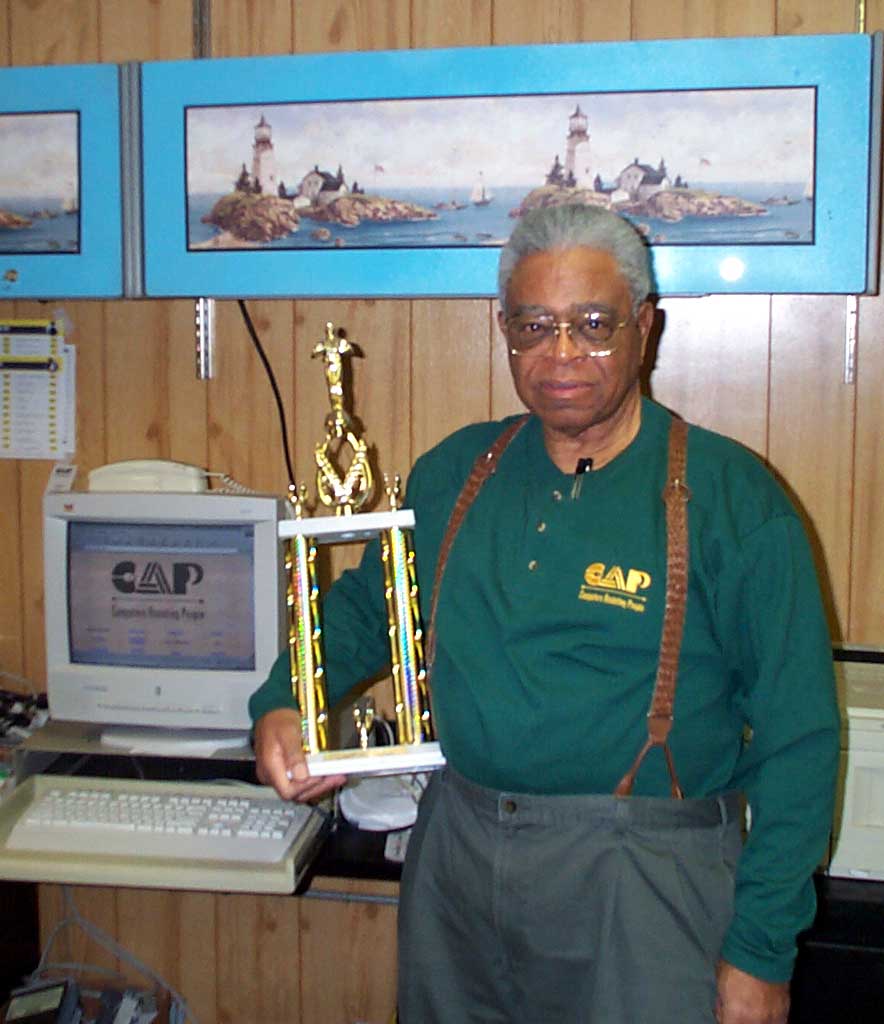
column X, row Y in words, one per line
column 346, row 491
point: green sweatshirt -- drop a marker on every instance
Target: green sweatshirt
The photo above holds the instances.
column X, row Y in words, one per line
column 548, row 632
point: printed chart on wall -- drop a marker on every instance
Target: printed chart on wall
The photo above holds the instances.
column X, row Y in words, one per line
column 37, row 390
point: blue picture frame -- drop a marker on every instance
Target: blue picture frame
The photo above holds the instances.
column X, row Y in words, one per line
column 82, row 258
column 841, row 74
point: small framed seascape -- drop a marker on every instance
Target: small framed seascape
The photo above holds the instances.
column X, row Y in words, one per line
column 60, row 196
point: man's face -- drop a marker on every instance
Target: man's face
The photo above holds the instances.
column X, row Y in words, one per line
column 568, row 389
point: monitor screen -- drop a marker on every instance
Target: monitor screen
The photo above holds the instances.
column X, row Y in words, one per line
column 164, row 611
column 162, row 595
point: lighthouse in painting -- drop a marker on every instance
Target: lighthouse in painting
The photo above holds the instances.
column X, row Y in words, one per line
column 263, row 159
column 577, row 135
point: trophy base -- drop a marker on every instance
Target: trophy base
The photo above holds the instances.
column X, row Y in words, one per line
column 399, row 759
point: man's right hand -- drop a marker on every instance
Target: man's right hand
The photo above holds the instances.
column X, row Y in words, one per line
column 280, row 761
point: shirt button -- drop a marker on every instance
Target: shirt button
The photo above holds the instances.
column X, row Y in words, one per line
column 509, row 806
column 532, row 565
column 557, row 495
column 541, row 526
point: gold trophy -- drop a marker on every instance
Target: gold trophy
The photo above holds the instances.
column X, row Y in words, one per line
column 346, row 492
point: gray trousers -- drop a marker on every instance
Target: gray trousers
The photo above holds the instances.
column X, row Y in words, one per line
column 521, row 909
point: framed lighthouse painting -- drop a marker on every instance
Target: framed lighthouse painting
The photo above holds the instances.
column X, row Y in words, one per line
column 60, row 198
column 750, row 165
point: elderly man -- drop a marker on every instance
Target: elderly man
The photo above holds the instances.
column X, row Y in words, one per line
column 629, row 635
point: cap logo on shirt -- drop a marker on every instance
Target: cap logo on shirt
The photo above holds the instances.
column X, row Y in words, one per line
column 611, row 586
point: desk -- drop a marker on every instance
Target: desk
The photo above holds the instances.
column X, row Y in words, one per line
column 269, row 959
column 236, row 958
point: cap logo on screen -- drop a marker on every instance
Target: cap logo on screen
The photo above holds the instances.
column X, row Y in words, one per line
column 153, row 579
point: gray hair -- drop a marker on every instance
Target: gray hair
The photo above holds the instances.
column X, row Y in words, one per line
column 571, row 225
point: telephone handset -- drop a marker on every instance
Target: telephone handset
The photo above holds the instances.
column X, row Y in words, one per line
column 148, row 475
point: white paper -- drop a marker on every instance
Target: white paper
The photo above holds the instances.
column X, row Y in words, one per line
column 37, row 392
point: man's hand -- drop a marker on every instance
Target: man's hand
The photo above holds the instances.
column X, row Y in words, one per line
column 280, row 762
column 745, row 999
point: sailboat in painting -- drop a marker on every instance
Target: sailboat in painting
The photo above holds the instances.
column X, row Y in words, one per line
column 481, row 196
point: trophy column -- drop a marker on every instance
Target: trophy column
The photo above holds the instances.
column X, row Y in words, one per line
column 346, row 491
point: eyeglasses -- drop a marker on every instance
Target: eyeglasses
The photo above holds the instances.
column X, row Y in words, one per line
column 590, row 328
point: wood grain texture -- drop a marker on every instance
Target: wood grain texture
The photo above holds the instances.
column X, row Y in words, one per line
column 811, row 427
column 137, row 398
column 257, row 955
column 559, row 21
column 348, row 985
column 451, row 23
column 247, row 28
column 53, row 31
column 504, row 400
column 97, row 904
column 866, row 623
column 87, row 333
column 451, row 365
column 245, row 438
column 687, row 19
column 811, row 17
column 321, row 26
column 710, row 364
column 5, row 56
column 162, row 30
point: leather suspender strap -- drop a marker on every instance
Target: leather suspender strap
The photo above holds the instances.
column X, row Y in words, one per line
column 483, row 467
column 675, row 496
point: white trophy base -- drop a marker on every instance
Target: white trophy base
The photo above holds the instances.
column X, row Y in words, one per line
column 399, row 759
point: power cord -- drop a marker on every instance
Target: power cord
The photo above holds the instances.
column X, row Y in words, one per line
column 259, row 348
column 179, row 1010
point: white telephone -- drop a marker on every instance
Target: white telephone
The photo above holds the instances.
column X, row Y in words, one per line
column 148, row 475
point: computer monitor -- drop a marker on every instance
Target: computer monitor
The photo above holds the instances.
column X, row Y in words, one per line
column 164, row 612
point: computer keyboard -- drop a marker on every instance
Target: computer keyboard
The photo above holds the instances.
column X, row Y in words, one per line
column 135, row 819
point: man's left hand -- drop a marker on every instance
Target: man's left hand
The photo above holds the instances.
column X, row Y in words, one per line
column 745, row 999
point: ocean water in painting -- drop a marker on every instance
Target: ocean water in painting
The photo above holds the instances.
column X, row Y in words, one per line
column 51, row 227
column 788, row 220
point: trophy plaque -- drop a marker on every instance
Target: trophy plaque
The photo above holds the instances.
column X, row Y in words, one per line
column 345, row 491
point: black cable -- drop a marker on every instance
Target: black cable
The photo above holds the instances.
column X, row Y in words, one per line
column 253, row 334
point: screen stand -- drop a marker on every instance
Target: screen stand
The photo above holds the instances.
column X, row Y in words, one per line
column 173, row 742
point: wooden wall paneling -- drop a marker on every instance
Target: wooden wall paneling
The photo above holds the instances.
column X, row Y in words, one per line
column 247, row 28
column 245, row 439
column 811, row 17
column 95, row 903
column 12, row 654
column 711, row 364
column 559, row 21
column 874, row 15
column 438, row 23
column 352, row 25
column 4, row 35
column 195, row 976
column 504, row 400
column 685, row 19
column 339, row 982
column 86, row 332
column 452, row 365
column 145, row 30
column 188, row 396
column 811, row 431
column 137, row 399
column 149, row 927
column 257, row 952
column 53, row 31
column 866, row 624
